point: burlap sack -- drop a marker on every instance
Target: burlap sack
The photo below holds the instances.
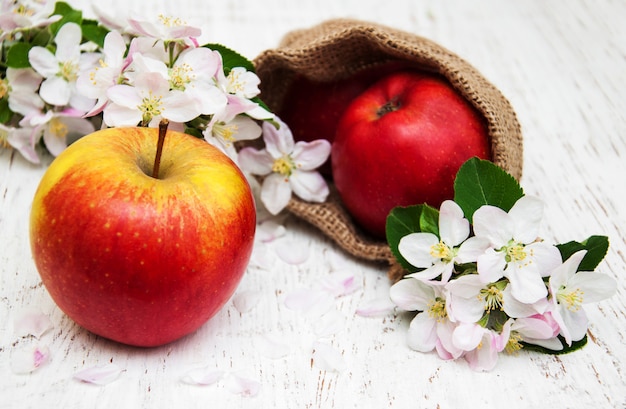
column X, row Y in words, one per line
column 337, row 49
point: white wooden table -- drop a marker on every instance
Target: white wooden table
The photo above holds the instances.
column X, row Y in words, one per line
column 562, row 64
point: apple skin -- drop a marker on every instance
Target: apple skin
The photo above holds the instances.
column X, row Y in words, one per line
column 400, row 143
column 312, row 109
column 141, row 260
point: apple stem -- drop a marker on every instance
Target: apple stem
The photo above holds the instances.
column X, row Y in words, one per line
column 157, row 158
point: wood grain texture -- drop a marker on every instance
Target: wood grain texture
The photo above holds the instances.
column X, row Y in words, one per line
column 563, row 67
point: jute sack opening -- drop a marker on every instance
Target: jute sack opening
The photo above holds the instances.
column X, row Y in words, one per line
column 337, row 49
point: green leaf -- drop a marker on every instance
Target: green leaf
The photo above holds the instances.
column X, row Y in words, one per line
column 17, row 55
column 481, row 182
column 429, row 220
column 68, row 15
column 566, row 348
column 402, row 221
column 231, row 58
column 5, row 111
column 596, row 246
column 92, row 31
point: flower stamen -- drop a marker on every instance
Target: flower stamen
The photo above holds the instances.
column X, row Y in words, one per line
column 492, row 297
column 573, row 299
column 284, row 166
column 514, row 343
column 437, row 309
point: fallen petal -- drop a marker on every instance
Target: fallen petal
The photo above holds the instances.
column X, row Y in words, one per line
column 242, row 386
column 339, row 283
column 273, row 346
column 292, row 254
column 270, row 230
column 327, row 358
column 376, row 307
column 310, row 301
column 261, row 257
column 28, row 359
column 330, row 324
column 31, row 322
column 244, row 301
column 99, row 375
column 202, row 376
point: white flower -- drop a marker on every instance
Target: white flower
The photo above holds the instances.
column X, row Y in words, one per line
column 439, row 254
column 539, row 329
column 239, row 82
column 23, row 86
column 166, row 28
column 571, row 289
column 61, row 70
column 95, row 83
column 481, row 345
column 147, row 101
column 287, row 167
column 60, row 129
column 228, row 126
column 22, row 139
column 431, row 328
column 24, row 15
column 514, row 251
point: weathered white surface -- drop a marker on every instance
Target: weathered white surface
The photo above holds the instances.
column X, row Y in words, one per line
column 563, row 66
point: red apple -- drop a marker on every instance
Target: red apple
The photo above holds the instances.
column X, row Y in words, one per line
column 312, row 109
column 137, row 259
column 401, row 143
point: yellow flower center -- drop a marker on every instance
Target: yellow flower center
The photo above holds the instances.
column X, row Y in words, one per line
column 169, row 22
column 514, row 344
column 225, row 132
column 516, row 252
column 572, row 299
column 68, row 70
column 4, row 139
column 58, row 128
column 442, row 251
column 235, row 84
column 4, row 88
column 23, row 10
column 284, row 166
column 151, row 106
column 492, row 297
column 180, row 76
column 437, row 309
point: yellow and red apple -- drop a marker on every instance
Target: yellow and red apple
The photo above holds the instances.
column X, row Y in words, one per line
column 401, row 142
column 138, row 259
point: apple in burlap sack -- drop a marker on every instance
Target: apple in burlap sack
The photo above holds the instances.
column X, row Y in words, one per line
column 400, row 143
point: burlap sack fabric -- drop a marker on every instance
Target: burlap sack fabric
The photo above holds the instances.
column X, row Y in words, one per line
column 337, row 49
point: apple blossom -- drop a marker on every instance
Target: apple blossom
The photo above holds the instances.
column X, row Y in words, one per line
column 539, row 329
column 431, row 328
column 61, row 69
column 22, row 139
column 287, row 167
column 22, row 89
column 570, row 289
column 439, row 254
column 515, row 252
column 481, row 345
column 22, row 15
column 94, row 83
column 166, row 28
column 60, row 129
column 147, row 101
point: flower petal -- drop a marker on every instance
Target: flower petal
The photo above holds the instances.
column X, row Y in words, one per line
column 99, row 375
column 28, row 359
column 422, row 334
column 273, row 346
column 309, row 186
column 376, row 307
column 293, row 254
column 494, row 224
column 202, row 376
column 453, row 227
column 327, row 357
column 311, row 155
column 244, row 301
column 242, row 385
column 411, row 294
column 31, row 322
column 270, row 230
column 415, row 248
column 527, row 213
column 275, row 193
column 257, row 162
